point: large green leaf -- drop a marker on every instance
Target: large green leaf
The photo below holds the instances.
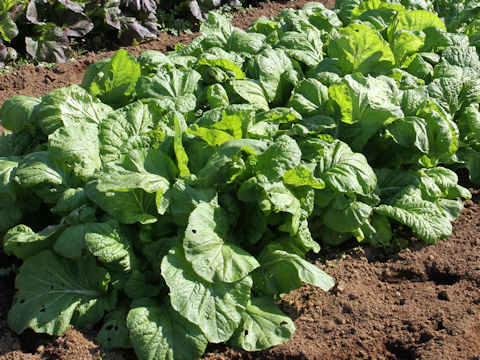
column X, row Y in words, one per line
column 71, row 242
column 414, row 20
column 427, row 221
column 114, row 81
column 171, row 83
column 345, row 170
column 69, row 106
column 263, row 325
column 283, row 155
column 23, row 242
column 217, row 307
column 273, row 69
column 368, row 104
column 209, row 247
column 17, row 112
column 39, row 168
column 109, row 244
column 305, row 47
column 158, row 332
column 123, row 130
column 77, row 147
column 361, row 49
column 128, row 196
column 185, row 198
column 281, row 272
column 50, row 289
column 10, row 192
column 310, row 98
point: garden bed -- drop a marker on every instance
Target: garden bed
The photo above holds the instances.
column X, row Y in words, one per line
column 422, row 302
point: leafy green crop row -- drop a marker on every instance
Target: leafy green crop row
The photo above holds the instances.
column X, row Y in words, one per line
column 175, row 195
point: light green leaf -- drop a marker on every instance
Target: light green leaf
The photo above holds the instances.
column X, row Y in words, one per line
column 346, row 217
column 124, row 130
column 77, row 147
column 361, row 49
column 171, row 83
column 344, row 170
column 217, row 308
column 209, row 247
column 250, row 92
column 301, row 176
column 23, row 242
column 39, row 168
column 212, row 137
column 152, row 161
column 405, row 44
column 310, row 98
column 427, row 221
column 50, row 289
column 8, row 28
column 369, row 103
column 10, row 192
column 109, row 244
column 281, row 271
column 271, row 69
column 283, row 155
column 241, row 41
column 128, row 196
column 185, row 198
column 180, row 154
column 114, row 82
column 217, row 96
column 69, row 106
column 305, row 47
column 414, row 20
column 158, row 332
column 368, row 5
column 263, row 325
column 17, row 112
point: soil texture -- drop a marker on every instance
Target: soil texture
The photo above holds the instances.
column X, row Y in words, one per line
column 418, row 303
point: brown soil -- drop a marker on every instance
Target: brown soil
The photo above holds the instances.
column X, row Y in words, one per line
column 419, row 303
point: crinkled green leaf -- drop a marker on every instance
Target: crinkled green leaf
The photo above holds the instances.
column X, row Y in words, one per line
column 172, row 83
column 50, row 289
column 427, row 221
column 158, row 332
column 361, row 49
column 114, row 82
column 69, row 106
column 283, row 155
column 17, row 112
column 344, row 170
column 123, row 130
column 128, row 196
column 368, row 104
column 263, row 325
column 78, row 147
column 109, row 244
column 23, row 242
column 209, row 246
column 281, row 271
column 217, row 307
